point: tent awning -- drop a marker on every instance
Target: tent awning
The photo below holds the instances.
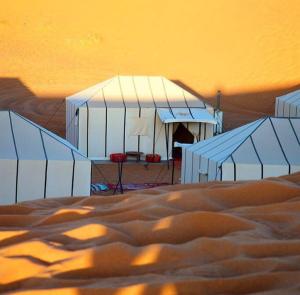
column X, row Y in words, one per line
column 196, row 115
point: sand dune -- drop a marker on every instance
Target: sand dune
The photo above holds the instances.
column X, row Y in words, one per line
column 51, row 49
column 219, row 238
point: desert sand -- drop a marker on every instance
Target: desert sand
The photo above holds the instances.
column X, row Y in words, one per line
column 218, row 238
column 248, row 49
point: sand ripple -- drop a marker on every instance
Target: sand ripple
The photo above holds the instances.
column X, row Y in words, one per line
column 219, row 238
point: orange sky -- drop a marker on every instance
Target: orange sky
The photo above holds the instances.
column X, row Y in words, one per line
column 60, row 47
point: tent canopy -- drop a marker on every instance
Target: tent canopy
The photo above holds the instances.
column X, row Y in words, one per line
column 176, row 115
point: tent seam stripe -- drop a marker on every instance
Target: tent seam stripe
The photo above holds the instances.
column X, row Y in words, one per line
column 124, row 125
column 294, row 131
column 17, row 154
column 46, row 167
column 259, row 159
column 167, row 97
column 282, row 150
column 246, row 138
column 49, row 134
column 105, row 140
column 73, row 172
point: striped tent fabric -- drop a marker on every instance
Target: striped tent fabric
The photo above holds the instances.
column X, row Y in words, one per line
column 288, row 105
column 264, row 148
column 136, row 113
column 35, row 163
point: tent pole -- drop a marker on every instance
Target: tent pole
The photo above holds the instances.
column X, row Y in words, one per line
column 173, row 168
column 167, row 143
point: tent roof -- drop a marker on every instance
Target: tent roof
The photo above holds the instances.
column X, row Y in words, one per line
column 265, row 141
column 288, row 105
column 137, row 91
column 22, row 139
column 291, row 98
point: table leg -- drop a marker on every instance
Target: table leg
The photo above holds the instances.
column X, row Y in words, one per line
column 120, row 177
column 119, row 183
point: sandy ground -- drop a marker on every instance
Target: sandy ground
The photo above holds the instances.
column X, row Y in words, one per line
column 248, row 49
column 219, row 238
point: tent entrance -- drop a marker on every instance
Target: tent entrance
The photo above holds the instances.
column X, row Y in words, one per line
column 182, row 135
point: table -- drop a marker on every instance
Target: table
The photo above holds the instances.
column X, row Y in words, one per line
column 119, row 158
column 134, row 154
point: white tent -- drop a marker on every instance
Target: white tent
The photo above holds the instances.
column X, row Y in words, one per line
column 35, row 163
column 135, row 113
column 288, row 105
column 264, row 148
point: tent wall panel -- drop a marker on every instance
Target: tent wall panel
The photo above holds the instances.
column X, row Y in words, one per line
column 212, row 170
column 55, row 150
column 246, row 153
column 187, row 161
column 288, row 105
column 97, row 132
column 208, row 131
column 76, row 124
column 82, row 130
column 203, row 178
column 248, row 171
column 7, row 145
column 287, row 140
column 279, row 107
column 27, row 149
column 115, row 125
column 82, row 178
column 8, row 173
column 260, row 141
column 161, row 130
column 295, row 168
column 275, row 170
column 69, row 116
column 296, row 127
column 183, row 168
column 147, row 142
column 228, row 172
column 203, row 164
column 59, row 178
column 195, row 169
column 31, row 180
column 71, row 123
column 132, row 141
column 293, row 110
column 202, row 131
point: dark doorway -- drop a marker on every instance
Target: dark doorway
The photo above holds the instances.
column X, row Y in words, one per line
column 182, row 135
